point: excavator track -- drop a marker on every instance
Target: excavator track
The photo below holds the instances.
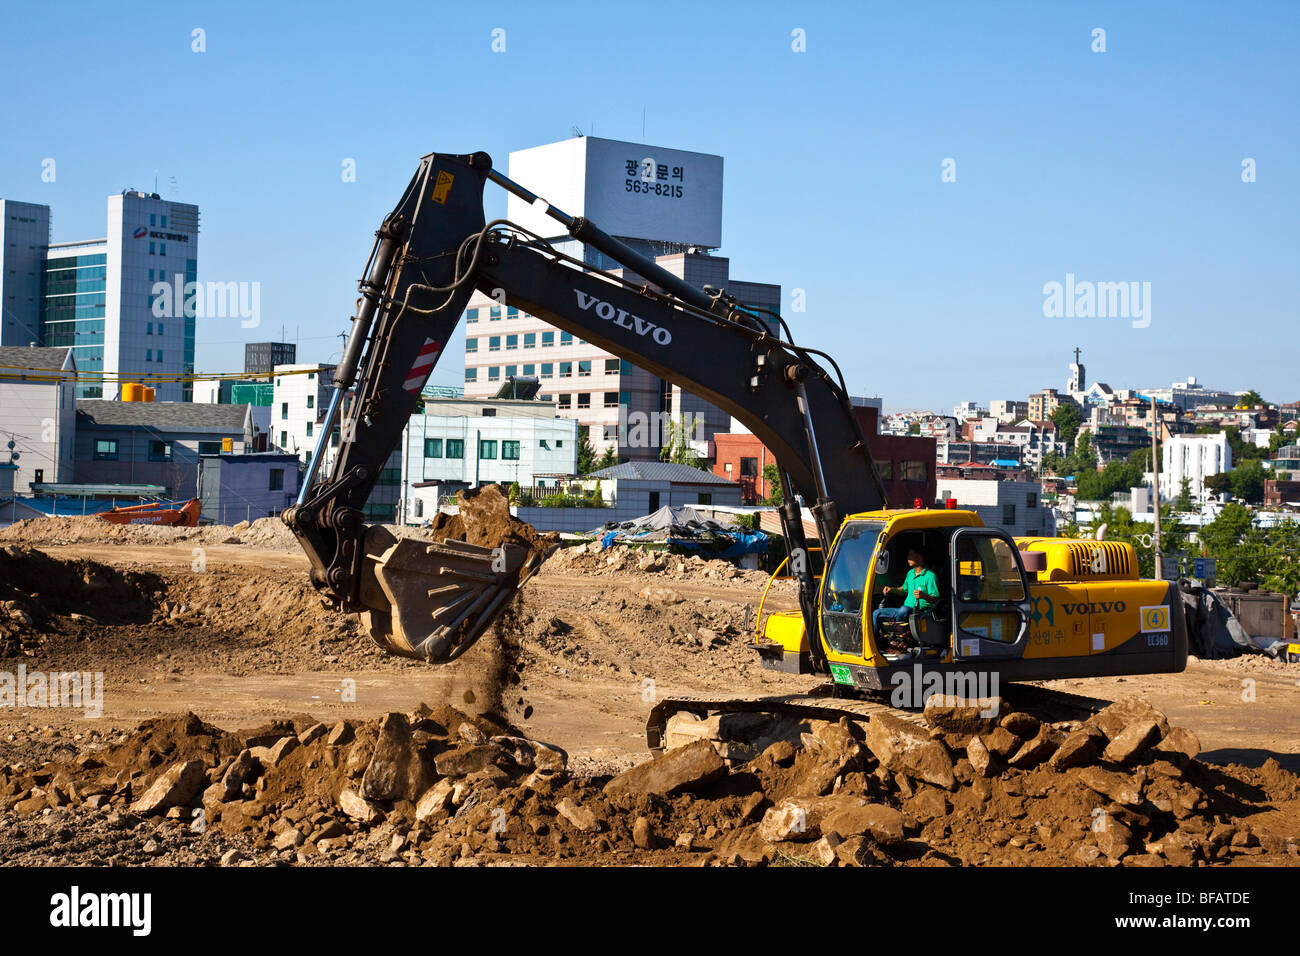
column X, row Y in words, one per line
column 1043, row 702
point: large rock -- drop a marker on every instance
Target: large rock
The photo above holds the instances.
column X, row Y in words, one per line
column 1113, row 838
column 961, row 715
column 904, row 748
column 531, row 754
column 1128, row 746
column 579, row 816
column 396, row 771
column 1001, row 742
column 1113, row 719
column 1079, row 749
column 357, row 807
column 982, row 761
column 688, row 768
column 1035, row 751
column 463, row 761
column 242, row 770
column 802, row 819
column 1024, row 726
column 1117, row 787
column 436, row 798
column 1180, row 740
column 177, row 787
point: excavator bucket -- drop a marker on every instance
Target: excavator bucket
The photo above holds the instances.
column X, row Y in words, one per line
column 432, row 601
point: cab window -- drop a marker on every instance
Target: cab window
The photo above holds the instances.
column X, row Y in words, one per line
column 844, row 585
column 987, row 571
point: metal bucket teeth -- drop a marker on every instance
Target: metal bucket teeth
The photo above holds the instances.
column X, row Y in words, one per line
column 433, row 601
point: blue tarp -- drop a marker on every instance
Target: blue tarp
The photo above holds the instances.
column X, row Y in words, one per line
column 742, row 543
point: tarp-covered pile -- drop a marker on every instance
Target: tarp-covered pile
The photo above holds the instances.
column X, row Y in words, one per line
column 683, row 529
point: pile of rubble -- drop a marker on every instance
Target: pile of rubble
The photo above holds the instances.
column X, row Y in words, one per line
column 621, row 559
column 437, row 786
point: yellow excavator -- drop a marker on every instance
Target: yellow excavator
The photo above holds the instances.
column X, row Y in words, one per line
column 1008, row 610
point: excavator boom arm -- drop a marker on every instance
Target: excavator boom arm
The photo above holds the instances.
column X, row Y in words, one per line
column 429, row 256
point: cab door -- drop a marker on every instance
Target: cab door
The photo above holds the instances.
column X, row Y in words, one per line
column 991, row 607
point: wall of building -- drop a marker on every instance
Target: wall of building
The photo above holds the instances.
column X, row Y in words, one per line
column 1014, row 506
column 24, row 236
column 234, row 488
column 1192, row 457
column 135, row 462
column 39, row 417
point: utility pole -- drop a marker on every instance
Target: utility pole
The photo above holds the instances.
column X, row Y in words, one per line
column 1155, row 486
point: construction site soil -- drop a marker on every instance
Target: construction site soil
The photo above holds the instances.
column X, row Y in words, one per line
column 243, row 723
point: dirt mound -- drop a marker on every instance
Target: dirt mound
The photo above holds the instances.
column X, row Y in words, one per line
column 264, row 532
column 485, row 520
column 34, row 588
column 622, row 560
column 440, row 786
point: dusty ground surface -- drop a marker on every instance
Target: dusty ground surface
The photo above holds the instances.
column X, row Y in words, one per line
column 221, row 623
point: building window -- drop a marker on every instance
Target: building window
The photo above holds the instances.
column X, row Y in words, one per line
column 530, row 340
column 209, row 448
column 494, row 343
column 510, row 451
column 512, row 371
column 560, row 443
column 512, row 342
column 885, row 470
column 494, row 314
column 563, row 400
column 611, row 399
column 548, row 369
column 512, row 312
column 148, row 328
column 151, row 249
column 566, row 338
column 164, row 222
column 311, row 401
column 530, row 369
column 471, row 315
column 162, row 248
column 584, row 399
column 566, row 370
column 419, row 507
column 160, row 451
column 471, row 345
column 914, row 471
column 487, row 449
column 548, row 338
column 148, row 355
column 309, row 429
column 1031, row 500
column 748, row 468
column 494, row 373
column 433, row 448
column 151, row 220
column 455, row 448
column 284, row 411
column 277, row 479
column 704, row 498
column 611, row 366
column 106, row 449
column 489, row 413
column 584, row 368
column 471, row 375
column 284, row 439
column 1009, row 514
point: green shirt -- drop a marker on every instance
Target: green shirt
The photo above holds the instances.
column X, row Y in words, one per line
column 924, row 579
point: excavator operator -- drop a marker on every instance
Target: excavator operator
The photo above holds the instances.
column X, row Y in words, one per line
column 920, row 586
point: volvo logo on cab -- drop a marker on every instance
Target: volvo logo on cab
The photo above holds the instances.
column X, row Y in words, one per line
column 623, row 318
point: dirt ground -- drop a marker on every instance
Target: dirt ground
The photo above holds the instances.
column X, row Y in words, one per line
column 221, row 623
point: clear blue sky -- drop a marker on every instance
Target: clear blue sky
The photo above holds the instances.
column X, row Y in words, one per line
column 1115, row 166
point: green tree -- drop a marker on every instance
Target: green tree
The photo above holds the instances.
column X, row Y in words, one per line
column 1184, row 500
column 1067, row 418
column 607, row 460
column 1247, row 481
column 586, row 451
column 771, row 490
column 678, row 448
column 1251, row 399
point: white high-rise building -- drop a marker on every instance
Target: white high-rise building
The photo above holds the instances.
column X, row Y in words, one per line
column 1194, row 458
column 665, row 204
column 96, row 296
